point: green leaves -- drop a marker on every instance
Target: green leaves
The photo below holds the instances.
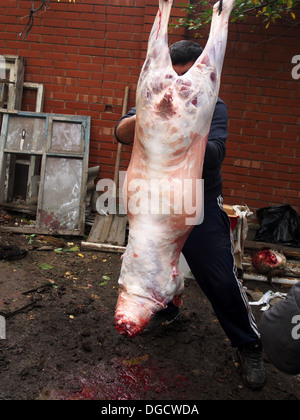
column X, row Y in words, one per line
column 268, row 12
column 45, row 266
column 106, row 280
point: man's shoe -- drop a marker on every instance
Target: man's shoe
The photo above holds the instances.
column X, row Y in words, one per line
column 252, row 365
column 163, row 318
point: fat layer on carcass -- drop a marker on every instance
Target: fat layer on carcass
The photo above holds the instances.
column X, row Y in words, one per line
column 164, row 198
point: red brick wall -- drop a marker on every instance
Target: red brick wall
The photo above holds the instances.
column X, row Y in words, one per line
column 85, row 53
column 263, row 158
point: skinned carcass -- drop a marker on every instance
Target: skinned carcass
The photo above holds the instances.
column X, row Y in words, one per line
column 163, row 189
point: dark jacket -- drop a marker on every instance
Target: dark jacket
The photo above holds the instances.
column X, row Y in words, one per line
column 280, row 333
column 215, row 150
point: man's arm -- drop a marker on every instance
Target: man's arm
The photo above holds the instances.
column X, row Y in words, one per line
column 216, row 145
column 215, row 151
column 124, row 131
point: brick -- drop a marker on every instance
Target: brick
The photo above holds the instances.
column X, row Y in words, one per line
column 276, row 167
column 257, row 116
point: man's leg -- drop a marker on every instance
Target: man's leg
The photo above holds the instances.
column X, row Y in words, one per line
column 208, row 252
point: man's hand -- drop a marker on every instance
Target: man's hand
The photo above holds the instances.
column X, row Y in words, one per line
column 125, row 130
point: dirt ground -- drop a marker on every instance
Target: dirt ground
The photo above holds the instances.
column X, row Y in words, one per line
column 62, row 344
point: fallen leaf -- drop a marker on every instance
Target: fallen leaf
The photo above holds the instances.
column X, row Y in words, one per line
column 73, row 249
column 103, row 283
column 136, row 360
column 46, row 266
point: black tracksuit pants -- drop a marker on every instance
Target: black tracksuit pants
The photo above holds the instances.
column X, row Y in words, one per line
column 208, row 252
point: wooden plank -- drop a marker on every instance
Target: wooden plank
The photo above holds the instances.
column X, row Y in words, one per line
column 275, row 280
column 34, row 160
column 94, row 233
column 118, row 231
column 39, row 104
column 8, row 111
column 11, row 166
column 16, row 66
column 19, row 80
column 88, row 246
column 21, row 208
column 4, row 128
column 100, row 229
column 41, row 231
column 109, row 229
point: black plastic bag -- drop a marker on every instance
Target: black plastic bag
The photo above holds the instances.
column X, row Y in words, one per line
column 279, row 225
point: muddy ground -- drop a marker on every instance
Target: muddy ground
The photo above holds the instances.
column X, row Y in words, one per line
column 62, row 344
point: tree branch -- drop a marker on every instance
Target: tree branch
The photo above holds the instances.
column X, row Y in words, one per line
column 261, row 6
column 44, row 5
